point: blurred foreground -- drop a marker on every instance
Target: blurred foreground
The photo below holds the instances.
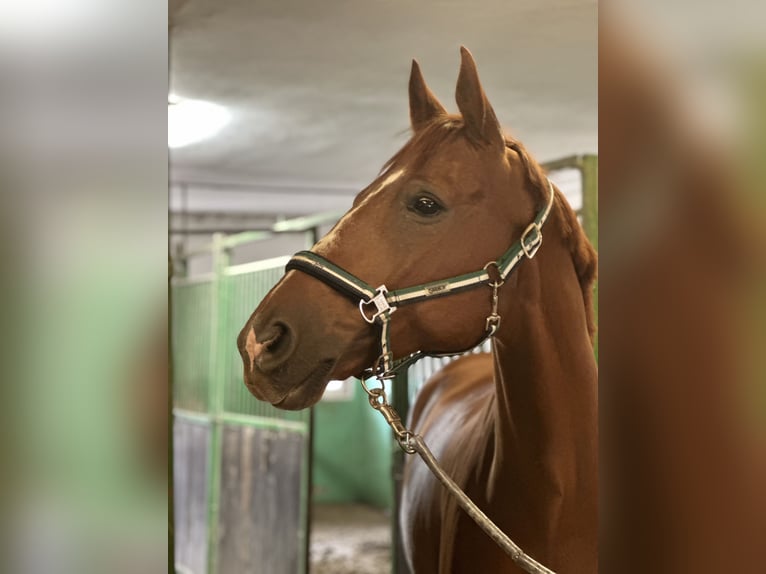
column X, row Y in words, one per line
column 682, row 291
column 83, row 172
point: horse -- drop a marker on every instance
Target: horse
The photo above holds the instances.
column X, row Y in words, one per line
column 516, row 429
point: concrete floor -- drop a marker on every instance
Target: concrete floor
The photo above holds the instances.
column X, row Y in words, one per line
column 350, row 539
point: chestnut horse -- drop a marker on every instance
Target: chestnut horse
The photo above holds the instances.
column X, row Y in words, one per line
column 517, row 429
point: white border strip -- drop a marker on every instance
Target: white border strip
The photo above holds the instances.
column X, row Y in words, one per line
column 272, row 263
column 196, row 279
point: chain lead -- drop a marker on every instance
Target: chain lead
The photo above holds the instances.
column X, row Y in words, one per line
column 493, row 321
column 378, row 400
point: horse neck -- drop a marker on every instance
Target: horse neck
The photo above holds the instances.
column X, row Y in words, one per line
column 545, row 412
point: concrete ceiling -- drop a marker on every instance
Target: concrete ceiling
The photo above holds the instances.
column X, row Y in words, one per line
column 318, row 90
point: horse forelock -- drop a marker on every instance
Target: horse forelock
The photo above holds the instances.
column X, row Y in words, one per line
column 425, row 141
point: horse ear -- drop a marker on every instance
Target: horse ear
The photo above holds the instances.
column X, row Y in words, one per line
column 478, row 115
column 424, row 106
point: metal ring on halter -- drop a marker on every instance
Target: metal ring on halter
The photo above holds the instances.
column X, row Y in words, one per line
column 377, row 398
column 369, row 391
column 495, row 284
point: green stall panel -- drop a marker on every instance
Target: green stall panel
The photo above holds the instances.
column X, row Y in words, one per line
column 256, row 458
column 191, row 442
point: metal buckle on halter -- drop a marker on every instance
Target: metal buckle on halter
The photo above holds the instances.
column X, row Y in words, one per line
column 537, row 241
column 381, row 305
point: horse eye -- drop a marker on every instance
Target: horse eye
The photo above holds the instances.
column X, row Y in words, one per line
column 426, row 206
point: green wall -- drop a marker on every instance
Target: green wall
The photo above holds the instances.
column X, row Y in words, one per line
column 352, row 453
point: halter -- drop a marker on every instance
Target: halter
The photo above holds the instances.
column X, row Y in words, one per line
column 377, row 305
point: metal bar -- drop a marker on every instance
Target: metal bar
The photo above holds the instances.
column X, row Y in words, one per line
column 191, row 416
column 211, row 231
column 184, row 212
column 572, row 161
column 234, row 240
column 171, row 485
column 203, row 250
column 246, row 237
column 295, row 225
column 240, row 214
column 215, row 402
column 246, row 187
column 306, row 223
column 590, row 220
column 401, row 403
column 262, row 422
column 197, row 279
column 590, row 197
column 306, row 498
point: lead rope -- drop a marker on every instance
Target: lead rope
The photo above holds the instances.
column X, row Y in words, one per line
column 523, row 560
column 412, row 443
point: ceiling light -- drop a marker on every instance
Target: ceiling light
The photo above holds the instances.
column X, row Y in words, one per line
column 191, row 121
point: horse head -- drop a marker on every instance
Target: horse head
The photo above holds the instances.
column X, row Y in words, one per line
column 453, row 198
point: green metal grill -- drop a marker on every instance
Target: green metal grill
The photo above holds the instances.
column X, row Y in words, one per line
column 256, row 458
column 192, row 311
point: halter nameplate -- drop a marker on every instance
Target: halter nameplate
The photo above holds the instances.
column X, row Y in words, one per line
column 441, row 288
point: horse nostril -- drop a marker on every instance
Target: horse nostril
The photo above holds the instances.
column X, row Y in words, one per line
column 277, row 339
column 275, row 347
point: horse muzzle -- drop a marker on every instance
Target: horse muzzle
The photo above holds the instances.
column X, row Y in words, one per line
column 271, row 372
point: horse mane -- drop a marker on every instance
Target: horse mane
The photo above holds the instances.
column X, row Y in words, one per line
column 583, row 254
column 441, row 129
